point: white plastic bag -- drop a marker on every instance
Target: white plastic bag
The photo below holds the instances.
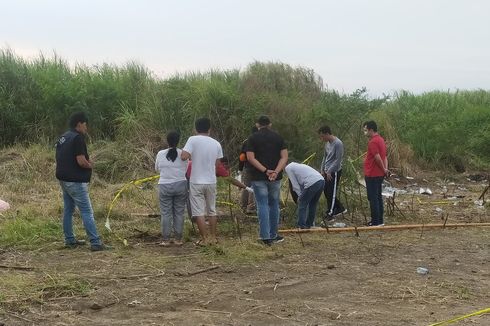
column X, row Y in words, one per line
column 4, row 206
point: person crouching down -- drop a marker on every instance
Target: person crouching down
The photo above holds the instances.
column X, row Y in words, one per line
column 307, row 184
column 173, row 190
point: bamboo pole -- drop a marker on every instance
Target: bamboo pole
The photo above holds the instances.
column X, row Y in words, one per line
column 385, row 228
column 145, row 215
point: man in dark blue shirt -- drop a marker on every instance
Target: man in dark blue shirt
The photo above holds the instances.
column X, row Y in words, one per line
column 74, row 170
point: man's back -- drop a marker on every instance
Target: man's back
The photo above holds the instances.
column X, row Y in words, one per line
column 204, row 152
column 68, row 147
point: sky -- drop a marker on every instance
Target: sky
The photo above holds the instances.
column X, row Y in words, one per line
column 383, row 45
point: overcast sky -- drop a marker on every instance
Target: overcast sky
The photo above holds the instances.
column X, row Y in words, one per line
column 384, row 45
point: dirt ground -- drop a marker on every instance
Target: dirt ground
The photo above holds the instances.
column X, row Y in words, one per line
column 315, row 279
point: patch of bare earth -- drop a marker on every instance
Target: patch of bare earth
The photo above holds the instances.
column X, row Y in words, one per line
column 333, row 280
column 315, row 279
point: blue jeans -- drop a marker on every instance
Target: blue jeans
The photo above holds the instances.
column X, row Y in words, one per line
column 75, row 194
column 308, row 202
column 373, row 188
column 267, row 195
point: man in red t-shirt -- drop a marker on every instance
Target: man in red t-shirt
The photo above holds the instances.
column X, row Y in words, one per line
column 375, row 169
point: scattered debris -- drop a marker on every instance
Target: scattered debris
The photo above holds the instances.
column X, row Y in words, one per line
column 390, row 191
column 422, row 270
column 134, row 303
column 476, row 177
column 197, row 272
column 425, row 191
column 439, row 210
column 479, row 203
column 96, row 306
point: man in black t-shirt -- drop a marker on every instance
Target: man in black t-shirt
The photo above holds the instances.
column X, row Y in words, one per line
column 267, row 153
column 74, row 170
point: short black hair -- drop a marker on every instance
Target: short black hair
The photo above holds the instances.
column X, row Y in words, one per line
column 263, row 121
column 371, row 125
column 203, row 125
column 77, row 117
column 325, row 130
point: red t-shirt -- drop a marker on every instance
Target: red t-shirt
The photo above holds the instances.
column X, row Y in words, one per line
column 376, row 145
column 221, row 171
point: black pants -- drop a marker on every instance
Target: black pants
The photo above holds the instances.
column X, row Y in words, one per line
column 334, row 206
column 373, row 187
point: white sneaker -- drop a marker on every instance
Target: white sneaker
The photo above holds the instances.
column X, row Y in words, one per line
column 341, row 213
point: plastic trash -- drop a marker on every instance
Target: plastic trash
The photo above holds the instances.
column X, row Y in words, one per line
column 425, row 191
column 4, row 206
column 479, row 203
column 422, row 270
column 339, row 225
column 438, row 209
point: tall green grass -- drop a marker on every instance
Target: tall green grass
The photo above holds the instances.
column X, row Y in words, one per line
column 130, row 110
column 444, row 128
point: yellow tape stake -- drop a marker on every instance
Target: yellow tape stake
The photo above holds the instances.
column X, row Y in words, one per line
column 118, row 194
column 227, row 203
column 308, row 159
column 476, row 313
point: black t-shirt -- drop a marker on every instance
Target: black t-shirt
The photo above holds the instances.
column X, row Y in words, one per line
column 68, row 147
column 266, row 145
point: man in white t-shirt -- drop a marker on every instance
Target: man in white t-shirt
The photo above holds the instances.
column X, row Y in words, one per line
column 205, row 153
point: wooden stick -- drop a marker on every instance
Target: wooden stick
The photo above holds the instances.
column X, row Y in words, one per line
column 18, row 316
column 22, row 268
column 386, row 227
column 214, row 311
column 482, row 196
column 144, row 215
column 196, row 272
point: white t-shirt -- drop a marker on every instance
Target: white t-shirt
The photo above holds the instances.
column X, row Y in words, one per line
column 204, row 152
column 170, row 172
column 302, row 176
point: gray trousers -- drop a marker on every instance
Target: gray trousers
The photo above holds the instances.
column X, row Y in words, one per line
column 247, row 200
column 173, row 198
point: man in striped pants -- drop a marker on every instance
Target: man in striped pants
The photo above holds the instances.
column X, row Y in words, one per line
column 331, row 169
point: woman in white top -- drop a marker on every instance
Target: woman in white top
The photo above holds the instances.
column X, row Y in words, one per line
column 173, row 189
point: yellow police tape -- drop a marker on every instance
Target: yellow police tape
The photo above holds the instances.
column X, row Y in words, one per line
column 308, row 159
column 476, row 313
column 147, row 179
column 125, row 187
column 227, row 203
